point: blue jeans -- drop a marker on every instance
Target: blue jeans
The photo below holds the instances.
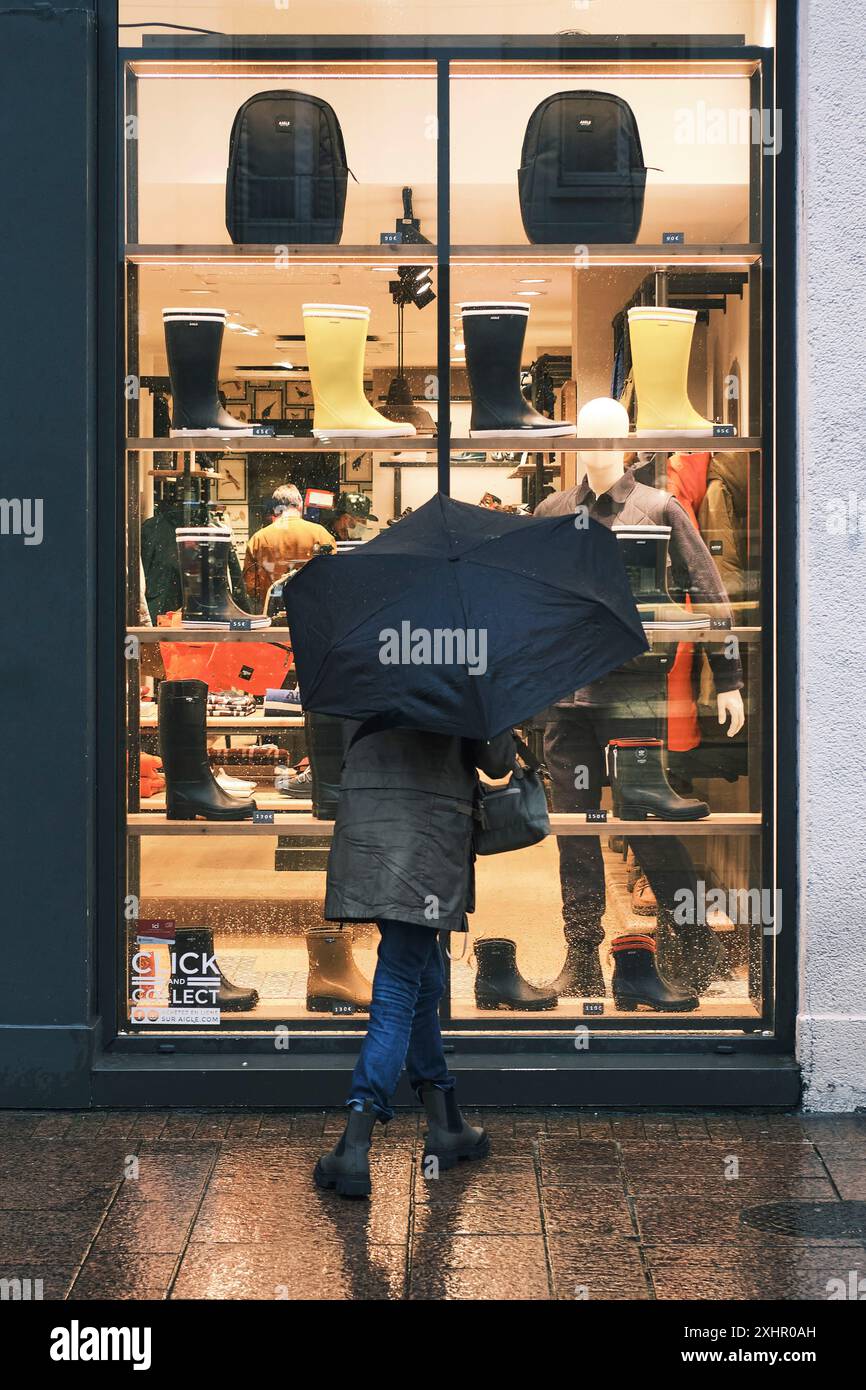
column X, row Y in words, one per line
column 404, row 1018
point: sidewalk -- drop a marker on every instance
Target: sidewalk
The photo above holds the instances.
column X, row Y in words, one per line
column 571, row 1204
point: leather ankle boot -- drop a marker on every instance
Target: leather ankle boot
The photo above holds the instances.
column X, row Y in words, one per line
column 449, row 1138
column 346, row 1169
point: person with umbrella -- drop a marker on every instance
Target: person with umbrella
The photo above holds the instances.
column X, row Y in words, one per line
column 438, row 636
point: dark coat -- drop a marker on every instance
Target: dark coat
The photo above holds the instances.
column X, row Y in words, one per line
column 402, row 846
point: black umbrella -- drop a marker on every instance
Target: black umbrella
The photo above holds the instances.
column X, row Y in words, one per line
column 462, row 620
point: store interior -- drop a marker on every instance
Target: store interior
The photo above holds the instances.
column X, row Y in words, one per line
column 258, row 887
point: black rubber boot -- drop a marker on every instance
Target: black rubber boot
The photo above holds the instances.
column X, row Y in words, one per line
column 494, row 335
column 193, row 343
column 498, row 982
column 346, row 1168
column 203, row 554
column 644, row 551
column 199, row 940
column 190, row 787
column 580, row 976
column 449, row 1139
column 640, row 787
column 326, row 749
column 638, row 984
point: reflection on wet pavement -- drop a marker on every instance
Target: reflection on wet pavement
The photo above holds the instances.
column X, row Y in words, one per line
column 570, row 1205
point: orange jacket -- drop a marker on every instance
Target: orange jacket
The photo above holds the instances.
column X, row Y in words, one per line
column 687, row 480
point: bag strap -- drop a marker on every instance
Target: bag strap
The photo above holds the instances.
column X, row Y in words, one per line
column 526, row 754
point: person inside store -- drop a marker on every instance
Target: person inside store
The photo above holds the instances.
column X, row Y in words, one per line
column 631, row 704
column 402, row 857
column 351, row 517
column 286, row 538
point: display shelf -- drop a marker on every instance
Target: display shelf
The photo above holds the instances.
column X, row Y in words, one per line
column 210, row 474
column 265, row 798
column 727, row 823
column 737, row 256
column 254, row 723
column 283, row 444
column 280, row 635
column 632, row 443
column 282, row 256
column 563, row 444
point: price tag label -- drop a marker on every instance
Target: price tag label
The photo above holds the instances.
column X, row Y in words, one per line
column 240, row 625
column 724, row 431
column 673, row 239
column 593, row 1009
column 596, row 817
column 264, row 431
column 263, row 817
column 720, row 624
column 717, row 548
column 390, row 238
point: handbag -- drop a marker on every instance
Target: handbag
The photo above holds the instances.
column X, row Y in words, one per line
column 514, row 816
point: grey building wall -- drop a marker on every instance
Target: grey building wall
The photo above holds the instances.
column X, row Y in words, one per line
column 831, row 482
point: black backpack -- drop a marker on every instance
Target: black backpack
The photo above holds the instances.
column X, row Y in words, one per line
column 287, row 173
column 582, row 177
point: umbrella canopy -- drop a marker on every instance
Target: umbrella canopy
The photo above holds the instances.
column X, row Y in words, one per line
column 462, row 620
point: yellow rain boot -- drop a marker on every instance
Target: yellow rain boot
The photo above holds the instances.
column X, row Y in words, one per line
column 661, row 346
column 336, row 336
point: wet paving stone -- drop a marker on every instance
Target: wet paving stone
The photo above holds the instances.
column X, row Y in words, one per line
column 152, row 1228
column 576, row 1205
column 48, row 1237
column 766, row 1186
column 479, row 1213
column 849, row 1179
column 705, row 1159
column 569, row 1211
column 755, row 1270
column 596, row 1270
column 308, row 1268
column 478, row 1267
column 124, row 1274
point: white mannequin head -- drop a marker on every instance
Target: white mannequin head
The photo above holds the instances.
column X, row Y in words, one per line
column 602, row 419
